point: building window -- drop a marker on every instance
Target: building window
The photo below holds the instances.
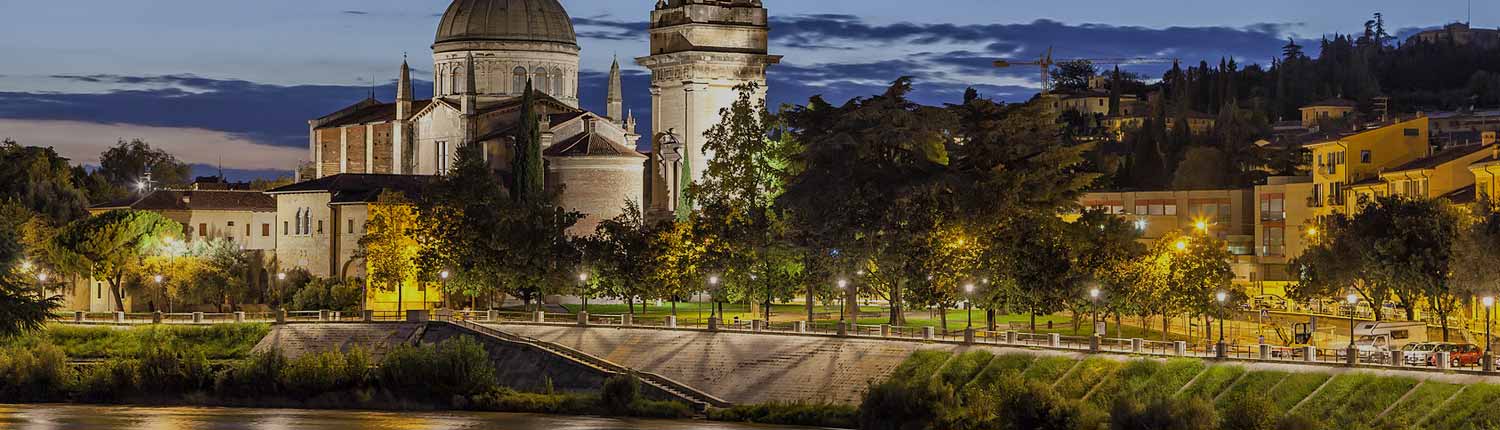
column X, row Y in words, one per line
column 559, row 85
column 442, row 157
column 518, row 80
column 1273, row 208
column 320, row 226
column 265, row 230
column 284, row 226
column 1483, row 191
column 203, row 230
column 457, row 80
column 1274, row 242
column 351, row 226
column 1364, row 156
column 1412, row 132
column 247, row 229
column 1140, row 209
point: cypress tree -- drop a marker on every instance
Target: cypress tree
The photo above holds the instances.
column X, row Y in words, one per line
column 529, row 179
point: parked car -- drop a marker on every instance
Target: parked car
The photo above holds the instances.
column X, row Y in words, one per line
column 1417, row 353
column 1459, row 354
column 1270, row 302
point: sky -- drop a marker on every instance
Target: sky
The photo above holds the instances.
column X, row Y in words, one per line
column 233, row 83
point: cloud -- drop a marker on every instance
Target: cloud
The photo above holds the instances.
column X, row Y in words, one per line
column 354, row 12
column 82, row 142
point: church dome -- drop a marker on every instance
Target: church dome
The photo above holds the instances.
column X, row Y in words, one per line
column 506, row 20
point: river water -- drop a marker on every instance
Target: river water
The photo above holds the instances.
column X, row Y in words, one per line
column 50, row 417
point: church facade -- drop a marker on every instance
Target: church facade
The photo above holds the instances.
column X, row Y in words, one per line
column 484, row 54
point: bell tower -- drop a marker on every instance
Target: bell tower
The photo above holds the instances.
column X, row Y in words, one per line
column 700, row 51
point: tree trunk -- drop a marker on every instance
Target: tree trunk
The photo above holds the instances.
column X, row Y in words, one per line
column 1033, row 322
column 943, row 317
column 809, row 306
column 398, row 299
column 1166, row 323
column 851, row 298
column 989, row 319
column 897, row 318
column 1444, row 317
column 114, row 288
column 1119, row 325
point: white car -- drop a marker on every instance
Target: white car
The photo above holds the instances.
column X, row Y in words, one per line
column 1415, row 354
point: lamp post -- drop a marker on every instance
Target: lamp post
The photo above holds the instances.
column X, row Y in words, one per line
column 713, row 309
column 1352, row 299
column 1094, row 302
column 1489, row 303
column 281, row 289
column 1222, row 297
column 443, row 281
column 583, row 287
column 843, row 284
column 161, row 292
column 41, row 285
column 969, row 303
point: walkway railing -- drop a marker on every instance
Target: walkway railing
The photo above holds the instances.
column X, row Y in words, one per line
column 1438, row 361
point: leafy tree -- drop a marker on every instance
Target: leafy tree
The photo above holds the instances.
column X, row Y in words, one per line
column 1180, row 274
column 1039, row 267
column 110, row 245
column 865, row 190
column 463, row 224
column 329, row 294
column 41, row 181
column 737, row 191
column 621, row 254
column 1341, row 259
column 676, row 263
column 390, row 247
column 127, row 163
column 1417, row 250
column 1104, row 246
column 21, row 310
column 1073, row 75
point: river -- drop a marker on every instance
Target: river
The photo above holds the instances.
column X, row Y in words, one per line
column 50, row 417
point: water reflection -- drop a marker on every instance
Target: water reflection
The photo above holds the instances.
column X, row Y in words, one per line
column 61, row 417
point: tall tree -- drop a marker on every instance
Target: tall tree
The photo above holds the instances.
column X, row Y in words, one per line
column 464, row 216
column 1073, row 75
column 110, row 245
column 42, row 181
column 529, row 183
column 390, row 247
column 21, row 308
column 621, row 255
column 1416, row 250
column 125, row 165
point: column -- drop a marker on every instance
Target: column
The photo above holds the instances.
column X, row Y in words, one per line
column 369, row 148
column 343, row 150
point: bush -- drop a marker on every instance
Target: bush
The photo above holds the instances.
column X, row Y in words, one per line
column 895, row 405
column 37, row 373
column 620, row 391
column 172, row 372
column 456, row 367
column 507, row 400
column 314, row 374
column 259, row 375
column 218, row 341
column 1162, row 413
column 1250, row 413
column 109, row 381
column 800, row 414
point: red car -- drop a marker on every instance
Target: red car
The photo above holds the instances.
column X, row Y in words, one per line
column 1459, row 354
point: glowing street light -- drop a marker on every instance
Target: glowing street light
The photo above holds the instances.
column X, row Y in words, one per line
column 1353, row 299
column 1094, row 301
column 968, row 303
column 1202, row 226
column 1181, row 245
column 1489, row 304
column 1312, row 231
column 280, row 288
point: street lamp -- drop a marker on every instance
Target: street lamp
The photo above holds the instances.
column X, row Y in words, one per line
column 1094, row 300
column 713, row 283
column 1489, row 303
column 281, row 289
column 843, row 284
column 968, row 303
column 1352, row 299
column 1222, row 297
column 1181, row 245
column 583, row 282
column 443, row 281
column 41, row 285
column 1202, row 226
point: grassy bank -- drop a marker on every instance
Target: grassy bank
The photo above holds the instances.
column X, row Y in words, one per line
column 216, row 342
column 977, row 390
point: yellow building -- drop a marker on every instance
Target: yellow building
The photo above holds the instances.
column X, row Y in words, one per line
column 1486, row 171
column 1198, row 122
column 1284, row 225
column 1438, row 175
column 1327, row 110
column 1226, row 214
column 1341, row 160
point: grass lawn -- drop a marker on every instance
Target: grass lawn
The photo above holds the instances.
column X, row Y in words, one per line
column 219, row 341
column 964, row 367
column 1255, row 383
column 1088, row 374
column 1296, row 387
column 1473, row 408
column 1348, row 399
column 1048, row 369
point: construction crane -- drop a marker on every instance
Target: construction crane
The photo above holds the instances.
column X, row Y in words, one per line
column 1046, row 62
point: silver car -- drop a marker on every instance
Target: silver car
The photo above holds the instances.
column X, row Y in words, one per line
column 1416, row 354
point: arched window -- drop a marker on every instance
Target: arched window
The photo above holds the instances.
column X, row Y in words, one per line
column 518, row 80
column 456, row 84
column 540, row 82
column 559, row 85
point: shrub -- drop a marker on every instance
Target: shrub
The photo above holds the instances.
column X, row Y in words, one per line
column 315, row 374
column 1162, row 413
column 801, row 414
column 218, row 341
column 34, row 373
column 171, row 371
column 458, row 366
column 327, row 294
column 258, row 375
column 620, row 391
column 1252, row 412
column 109, row 381
column 895, row 405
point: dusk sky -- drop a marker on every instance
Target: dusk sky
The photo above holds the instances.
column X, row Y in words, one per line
column 236, row 81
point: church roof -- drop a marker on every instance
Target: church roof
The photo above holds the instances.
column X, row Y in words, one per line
column 365, row 112
column 359, row 187
column 197, row 200
column 506, row 20
column 590, row 144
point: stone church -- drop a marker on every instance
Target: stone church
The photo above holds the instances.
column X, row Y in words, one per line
column 484, row 54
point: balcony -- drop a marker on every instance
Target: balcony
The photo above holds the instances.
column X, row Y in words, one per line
column 1273, row 216
column 1314, row 202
